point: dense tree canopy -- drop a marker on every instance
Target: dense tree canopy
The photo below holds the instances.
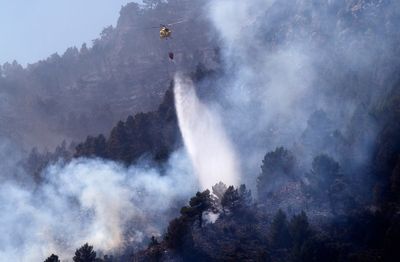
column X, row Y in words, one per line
column 276, row 165
column 85, row 254
column 52, row 258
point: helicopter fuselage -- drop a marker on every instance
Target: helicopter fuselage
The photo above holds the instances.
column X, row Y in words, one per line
column 165, row 32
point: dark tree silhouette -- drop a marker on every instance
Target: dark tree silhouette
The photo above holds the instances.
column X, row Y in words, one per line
column 326, row 183
column 117, row 143
column 176, row 232
column 301, row 234
column 277, row 164
column 323, row 173
column 52, row 258
column 197, row 205
column 154, row 134
column 236, row 200
column 323, row 165
column 85, row 254
column 153, row 241
column 179, row 229
column 299, row 229
column 279, row 234
column 93, row 146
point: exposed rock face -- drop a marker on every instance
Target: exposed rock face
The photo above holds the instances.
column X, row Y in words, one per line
column 88, row 90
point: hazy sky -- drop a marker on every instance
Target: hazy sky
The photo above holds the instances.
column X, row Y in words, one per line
column 31, row 30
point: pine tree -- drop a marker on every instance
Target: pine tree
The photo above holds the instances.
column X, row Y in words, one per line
column 277, row 164
column 177, row 229
column 279, row 234
column 85, row 254
column 237, row 201
column 299, row 229
column 300, row 233
column 326, row 182
column 118, row 143
column 325, row 168
column 197, row 205
column 52, row 258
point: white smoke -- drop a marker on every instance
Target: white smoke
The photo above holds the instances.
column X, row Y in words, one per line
column 272, row 86
column 212, row 154
column 233, row 19
column 102, row 203
column 268, row 90
column 284, row 60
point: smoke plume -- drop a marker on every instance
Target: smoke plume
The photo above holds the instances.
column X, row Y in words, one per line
column 89, row 200
column 212, row 154
column 285, row 60
column 282, row 61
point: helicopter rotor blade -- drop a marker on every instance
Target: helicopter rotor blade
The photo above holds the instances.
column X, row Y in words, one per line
column 182, row 21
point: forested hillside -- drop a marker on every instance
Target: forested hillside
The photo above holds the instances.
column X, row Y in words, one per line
column 89, row 88
column 303, row 96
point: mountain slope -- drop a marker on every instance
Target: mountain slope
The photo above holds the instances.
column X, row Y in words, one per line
column 88, row 90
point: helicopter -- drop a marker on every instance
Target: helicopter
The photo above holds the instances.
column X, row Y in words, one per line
column 165, row 30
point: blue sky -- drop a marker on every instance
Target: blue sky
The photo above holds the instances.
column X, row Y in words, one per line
column 31, row 30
